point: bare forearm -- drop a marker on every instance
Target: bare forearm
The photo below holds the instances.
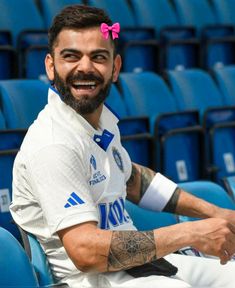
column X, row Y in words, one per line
column 192, row 206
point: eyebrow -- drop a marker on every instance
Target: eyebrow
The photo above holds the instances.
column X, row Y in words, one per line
column 76, row 51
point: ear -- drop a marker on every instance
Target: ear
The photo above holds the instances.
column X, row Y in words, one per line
column 49, row 64
column 117, row 67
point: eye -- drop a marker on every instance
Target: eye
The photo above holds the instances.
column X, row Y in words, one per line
column 99, row 58
column 70, row 57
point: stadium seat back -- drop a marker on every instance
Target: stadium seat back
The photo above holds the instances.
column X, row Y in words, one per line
column 118, row 12
column 22, row 100
column 148, row 220
column 13, row 15
column 50, row 8
column 151, row 13
column 16, row 269
column 210, row 192
column 194, row 89
column 224, row 11
column 225, row 78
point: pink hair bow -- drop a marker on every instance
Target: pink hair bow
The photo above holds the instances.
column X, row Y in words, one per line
column 115, row 29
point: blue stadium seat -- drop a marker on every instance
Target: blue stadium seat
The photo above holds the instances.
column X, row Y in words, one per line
column 13, row 15
column 229, row 184
column 38, row 258
column 225, row 79
column 7, row 158
column 178, row 45
column 22, row 100
column 134, row 131
column 32, row 55
column 50, row 8
column 16, row 268
column 224, row 11
column 8, row 60
column 217, row 40
column 210, row 192
column 147, row 220
column 147, row 94
column 195, row 89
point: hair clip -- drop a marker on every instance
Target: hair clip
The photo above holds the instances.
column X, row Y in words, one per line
column 105, row 28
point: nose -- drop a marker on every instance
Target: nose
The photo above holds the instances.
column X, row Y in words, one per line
column 85, row 64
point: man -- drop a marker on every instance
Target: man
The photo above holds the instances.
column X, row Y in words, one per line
column 72, row 175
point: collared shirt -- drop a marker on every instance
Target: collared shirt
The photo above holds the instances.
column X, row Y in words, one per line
column 68, row 173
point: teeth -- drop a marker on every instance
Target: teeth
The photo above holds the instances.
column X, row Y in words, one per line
column 85, row 83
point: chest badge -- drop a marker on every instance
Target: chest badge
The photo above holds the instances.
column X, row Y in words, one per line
column 118, row 159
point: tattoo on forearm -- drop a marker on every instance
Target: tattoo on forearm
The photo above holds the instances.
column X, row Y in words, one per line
column 131, row 248
column 172, row 203
column 131, row 180
column 146, row 178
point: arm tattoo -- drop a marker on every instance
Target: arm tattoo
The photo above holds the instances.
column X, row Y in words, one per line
column 131, row 248
column 146, row 178
column 131, row 180
column 138, row 182
column 172, row 203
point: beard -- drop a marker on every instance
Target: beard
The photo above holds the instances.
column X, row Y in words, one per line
column 86, row 104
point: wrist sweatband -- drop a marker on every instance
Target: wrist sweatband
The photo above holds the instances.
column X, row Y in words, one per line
column 158, row 193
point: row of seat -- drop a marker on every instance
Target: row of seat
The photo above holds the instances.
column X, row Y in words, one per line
column 33, row 269
column 156, row 35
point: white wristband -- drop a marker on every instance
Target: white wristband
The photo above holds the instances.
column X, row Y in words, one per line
column 158, row 193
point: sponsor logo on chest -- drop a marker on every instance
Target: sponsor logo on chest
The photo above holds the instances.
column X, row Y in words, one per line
column 96, row 175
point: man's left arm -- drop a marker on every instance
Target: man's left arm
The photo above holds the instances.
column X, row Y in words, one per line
column 143, row 182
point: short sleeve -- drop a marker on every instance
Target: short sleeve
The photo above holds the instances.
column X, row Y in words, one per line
column 59, row 182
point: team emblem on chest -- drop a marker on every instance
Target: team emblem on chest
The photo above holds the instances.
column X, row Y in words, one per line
column 118, row 159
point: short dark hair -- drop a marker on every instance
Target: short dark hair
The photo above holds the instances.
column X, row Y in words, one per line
column 77, row 17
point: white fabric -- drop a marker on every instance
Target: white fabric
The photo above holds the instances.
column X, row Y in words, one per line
column 58, row 158
column 158, row 193
column 193, row 272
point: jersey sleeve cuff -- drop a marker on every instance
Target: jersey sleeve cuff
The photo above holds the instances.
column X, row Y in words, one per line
column 158, row 193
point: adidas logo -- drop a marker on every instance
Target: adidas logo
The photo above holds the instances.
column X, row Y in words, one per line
column 73, row 200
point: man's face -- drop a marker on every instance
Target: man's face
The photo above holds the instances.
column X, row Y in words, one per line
column 83, row 68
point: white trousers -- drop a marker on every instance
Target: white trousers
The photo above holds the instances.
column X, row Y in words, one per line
column 193, row 271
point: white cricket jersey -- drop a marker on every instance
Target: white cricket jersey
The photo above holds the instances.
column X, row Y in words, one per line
column 68, row 173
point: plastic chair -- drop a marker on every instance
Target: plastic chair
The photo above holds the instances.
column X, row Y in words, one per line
column 217, row 41
column 224, row 11
column 50, row 8
column 22, row 100
column 229, row 184
column 147, row 94
column 178, row 45
column 195, row 89
column 147, row 220
column 225, row 79
column 134, row 131
column 7, row 158
column 16, row 269
column 12, row 17
column 210, row 192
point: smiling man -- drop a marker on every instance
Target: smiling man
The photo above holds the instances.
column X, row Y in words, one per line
column 72, row 176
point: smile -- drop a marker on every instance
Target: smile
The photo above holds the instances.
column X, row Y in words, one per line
column 84, row 85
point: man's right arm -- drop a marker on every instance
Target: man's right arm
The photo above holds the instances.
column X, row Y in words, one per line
column 93, row 249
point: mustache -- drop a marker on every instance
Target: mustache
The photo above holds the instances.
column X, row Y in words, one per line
column 83, row 76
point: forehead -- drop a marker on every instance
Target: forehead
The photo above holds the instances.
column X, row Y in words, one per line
column 84, row 40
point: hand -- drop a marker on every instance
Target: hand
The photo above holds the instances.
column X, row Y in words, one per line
column 216, row 237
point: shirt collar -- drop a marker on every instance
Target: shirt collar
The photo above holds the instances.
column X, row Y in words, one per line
column 107, row 124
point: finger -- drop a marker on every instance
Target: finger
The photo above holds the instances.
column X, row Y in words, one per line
column 224, row 257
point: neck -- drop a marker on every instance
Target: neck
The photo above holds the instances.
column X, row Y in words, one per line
column 93, row 118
